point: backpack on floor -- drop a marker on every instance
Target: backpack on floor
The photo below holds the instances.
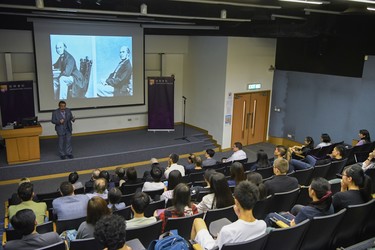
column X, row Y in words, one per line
column 170, row 241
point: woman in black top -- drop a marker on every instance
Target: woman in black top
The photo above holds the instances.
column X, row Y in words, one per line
column 355, row 188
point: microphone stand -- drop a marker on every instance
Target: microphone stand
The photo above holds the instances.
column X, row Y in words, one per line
column 184, row 137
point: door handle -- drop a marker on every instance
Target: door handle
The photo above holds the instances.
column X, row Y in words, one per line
column 254, row 116
column 248, row 119
column 243, row 119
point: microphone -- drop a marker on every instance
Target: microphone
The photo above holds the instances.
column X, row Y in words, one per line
column 184, row 97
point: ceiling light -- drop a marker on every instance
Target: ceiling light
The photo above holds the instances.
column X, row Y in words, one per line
column 274, row 16
column 39, row 4
column 184, row 27
column 78, row 1
column 308, row 11
column 143, row 9
column 305, row 1
column 249, row 5
column 371, row 9
column 223, row 14
column 363, row 1
column 98, row 2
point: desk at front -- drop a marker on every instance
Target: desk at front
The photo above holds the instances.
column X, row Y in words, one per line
column 22, row 145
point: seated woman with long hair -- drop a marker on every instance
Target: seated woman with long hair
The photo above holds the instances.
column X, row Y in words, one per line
column 364, row 137
column 321, row 195
column 182, row 205
column 262, row 160
column 321, row 204
column 174, row 178
column 355, row 188
column 257, row 179
column 220, row 197
column 325, row 140
column 296, row 151
column 237, row 174
column 96, row 208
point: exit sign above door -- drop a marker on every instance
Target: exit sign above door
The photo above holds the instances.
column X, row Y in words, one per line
column 253, row 86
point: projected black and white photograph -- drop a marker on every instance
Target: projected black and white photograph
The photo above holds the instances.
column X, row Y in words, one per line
column 91, row 66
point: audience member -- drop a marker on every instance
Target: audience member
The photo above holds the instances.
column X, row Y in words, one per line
column 24, row 221
column 364, row 136
column 209, row 161
column 156, row 183
column 69, row 206
column 206, row 176
column 238, row 153
column 172, row 165
column 26, row 193
column 114, row 200
column 147, row 174
column 110, row 232
column 14, row 199
column 221, row 195
column 247, row 227
column 100, row 189
column 140, row 203
column 73, row 179
column 174, row 179
column 197, row 167
column 321, row 205
column 294, row 151
column 131, row 176
column 337, row 154
column 119, row 176
column 105, row 175
column 257, row 179
column 89, row 185
column 369, row 162
column 280, row 152
column 96, row 208
column 280, row 182
column 262, row 160
column 191, row 163
column 325, row 141
column 182, row 205
column 355, row 188
column 237, row 174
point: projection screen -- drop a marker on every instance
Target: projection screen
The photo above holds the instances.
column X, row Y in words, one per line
column 88, row 64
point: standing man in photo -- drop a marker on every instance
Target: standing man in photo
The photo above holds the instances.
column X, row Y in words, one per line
column 63, row 118
column 66, row 74
column 118, row 82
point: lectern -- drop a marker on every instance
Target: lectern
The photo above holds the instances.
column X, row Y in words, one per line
column 22, row 144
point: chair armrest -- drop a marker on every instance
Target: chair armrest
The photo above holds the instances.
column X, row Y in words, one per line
column 6, row 222
column 282, row 224
column 6, row 209
column 4, row 238
column 54, row 226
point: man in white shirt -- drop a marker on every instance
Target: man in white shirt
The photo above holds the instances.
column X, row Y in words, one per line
column 172, row 165
column 247, row 227
column 238, row 153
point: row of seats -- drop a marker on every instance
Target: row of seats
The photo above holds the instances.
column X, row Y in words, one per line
column 342, row 229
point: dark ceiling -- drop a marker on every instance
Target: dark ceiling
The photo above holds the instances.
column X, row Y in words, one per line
column 269, row 18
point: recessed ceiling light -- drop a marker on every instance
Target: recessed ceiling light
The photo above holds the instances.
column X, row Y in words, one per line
column 305, row 1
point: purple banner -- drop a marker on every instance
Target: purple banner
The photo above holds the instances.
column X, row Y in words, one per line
column 160, row 103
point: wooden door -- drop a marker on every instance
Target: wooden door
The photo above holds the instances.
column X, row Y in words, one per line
column 240, row 124
column 250, row 117
column 259, row 106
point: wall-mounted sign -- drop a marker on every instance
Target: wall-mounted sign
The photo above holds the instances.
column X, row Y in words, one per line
column 253, row 86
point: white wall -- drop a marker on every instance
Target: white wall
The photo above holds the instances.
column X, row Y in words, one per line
column 205, row 83
column 248, row 61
